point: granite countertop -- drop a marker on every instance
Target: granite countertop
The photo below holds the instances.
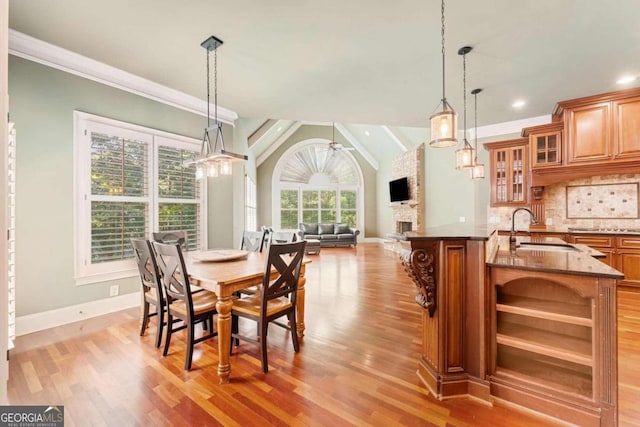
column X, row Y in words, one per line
column 580, row 261
column 460, row 230
column 582, row 230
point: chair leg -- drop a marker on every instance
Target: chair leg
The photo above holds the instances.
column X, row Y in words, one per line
column 145, row 317
column 263, row 345
column 190, row 339
column 234, row 330
column 167, row 340
column 294, row 333
column 160, row 315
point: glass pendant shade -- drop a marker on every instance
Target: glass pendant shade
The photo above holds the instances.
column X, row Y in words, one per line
column 465, row 156
column 225, row 167
column 444, row 128
column 477, row 170
column 212, row 169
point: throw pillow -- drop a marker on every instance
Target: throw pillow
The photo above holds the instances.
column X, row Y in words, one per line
column 325, row 229
column 309, row 227
column 341, row 228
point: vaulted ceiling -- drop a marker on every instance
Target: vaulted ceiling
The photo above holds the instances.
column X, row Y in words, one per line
column 355, row 61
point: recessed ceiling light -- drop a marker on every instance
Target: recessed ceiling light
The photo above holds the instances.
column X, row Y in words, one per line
column 626, row 79
column 279, row 129
column 367, row 133
column 518, row 103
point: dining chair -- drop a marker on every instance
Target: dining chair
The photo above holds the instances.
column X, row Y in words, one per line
column 253, row 241
column 191, row 308
column 151, row 286
column 172, row 236
column 277, row 298
column 282, row 236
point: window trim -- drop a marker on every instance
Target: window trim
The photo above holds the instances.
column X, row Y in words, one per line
column 84, row 271
column 250, row 204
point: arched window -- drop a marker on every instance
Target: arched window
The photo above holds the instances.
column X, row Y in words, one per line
column 313, row 183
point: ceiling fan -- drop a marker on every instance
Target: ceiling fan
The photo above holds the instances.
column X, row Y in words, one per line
column 336, row 146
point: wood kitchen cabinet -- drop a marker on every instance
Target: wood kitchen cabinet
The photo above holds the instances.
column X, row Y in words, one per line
column 601, row 243
column 588, row 131
column 545, row 144
column 603, row 128
column 509, row 172
column 626, row 137
column 622, row 252
column 628, row 260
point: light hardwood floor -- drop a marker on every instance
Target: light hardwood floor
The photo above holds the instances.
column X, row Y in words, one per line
column 357, row 364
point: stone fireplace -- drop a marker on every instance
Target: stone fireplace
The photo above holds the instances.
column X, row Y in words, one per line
column 408, row 216
column 402, row 226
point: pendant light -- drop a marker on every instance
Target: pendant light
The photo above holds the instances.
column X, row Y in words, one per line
column 466, row 154
column 477, row 171
column 214, row 159
column 443, row 125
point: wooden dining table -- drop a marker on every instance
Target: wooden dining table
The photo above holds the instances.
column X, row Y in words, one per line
column 226, row 277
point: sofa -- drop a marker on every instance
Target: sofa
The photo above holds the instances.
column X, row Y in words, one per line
column 329, row 234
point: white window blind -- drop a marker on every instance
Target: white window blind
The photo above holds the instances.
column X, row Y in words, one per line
column 129, row 182
column 119, row 195
column 178, row 194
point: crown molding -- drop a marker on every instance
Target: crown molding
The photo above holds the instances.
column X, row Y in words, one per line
column 44, row 53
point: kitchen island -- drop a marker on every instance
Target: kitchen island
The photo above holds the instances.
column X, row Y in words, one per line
column 532, row 325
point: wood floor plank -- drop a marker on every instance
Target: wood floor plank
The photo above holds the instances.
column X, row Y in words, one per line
column 357, row 364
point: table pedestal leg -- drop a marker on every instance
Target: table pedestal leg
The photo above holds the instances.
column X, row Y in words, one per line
column 223, row 306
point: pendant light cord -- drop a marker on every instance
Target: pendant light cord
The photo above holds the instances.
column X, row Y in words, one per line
column 444, row 98
column 215, row 84
column 475, row 122
column 464, row 95
column 208, row 103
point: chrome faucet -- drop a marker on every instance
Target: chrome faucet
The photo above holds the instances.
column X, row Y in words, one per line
column 512, row 233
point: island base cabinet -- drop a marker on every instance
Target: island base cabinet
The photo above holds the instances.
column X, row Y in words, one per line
column 553, row 344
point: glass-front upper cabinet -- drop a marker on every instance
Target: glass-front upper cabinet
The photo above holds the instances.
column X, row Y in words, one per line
column 545, row 143
column 509, row 181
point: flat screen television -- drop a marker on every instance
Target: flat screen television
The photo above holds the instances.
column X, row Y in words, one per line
column 399, row 190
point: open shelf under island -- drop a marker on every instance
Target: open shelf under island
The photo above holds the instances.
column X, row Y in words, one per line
column 532, row 326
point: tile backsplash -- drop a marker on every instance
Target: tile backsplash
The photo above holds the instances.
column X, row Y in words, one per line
column 567, row 204
column 602, row 201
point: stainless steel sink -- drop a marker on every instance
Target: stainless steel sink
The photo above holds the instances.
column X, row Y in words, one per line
column 539, row 246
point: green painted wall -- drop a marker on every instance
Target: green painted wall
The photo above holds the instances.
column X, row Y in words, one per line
column 305, row 132
column 42, row 102
column 450, row 193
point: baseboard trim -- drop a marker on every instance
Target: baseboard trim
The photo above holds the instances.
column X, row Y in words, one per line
column 73, row 313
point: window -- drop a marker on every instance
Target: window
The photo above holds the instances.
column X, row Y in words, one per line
column 314, row 184
column 317, row 206
column 288, row 209
column 129, row 182
column 250, row 205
